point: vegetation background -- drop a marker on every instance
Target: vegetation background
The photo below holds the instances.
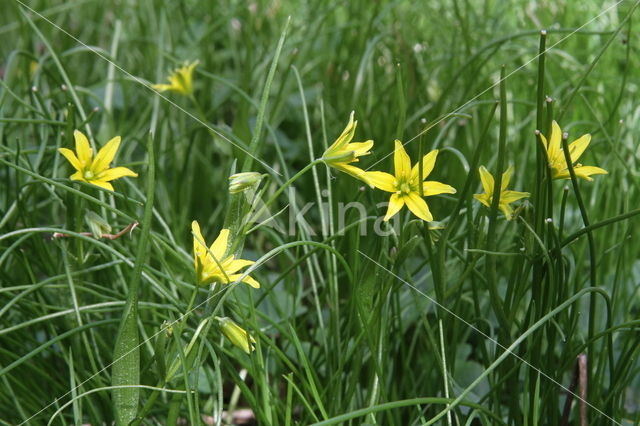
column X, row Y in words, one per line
column 408, row 328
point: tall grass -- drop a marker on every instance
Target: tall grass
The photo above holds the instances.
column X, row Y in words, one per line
column 478, row 320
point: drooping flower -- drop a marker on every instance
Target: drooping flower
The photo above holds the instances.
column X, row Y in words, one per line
column 96, row 170
column 236, row 334
column 343, row 151
column 556, row 158
column 405, row 185
column 180, row 80
column 214, row 265
column 506, row 196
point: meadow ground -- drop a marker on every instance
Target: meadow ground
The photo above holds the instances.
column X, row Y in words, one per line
column 346, row 284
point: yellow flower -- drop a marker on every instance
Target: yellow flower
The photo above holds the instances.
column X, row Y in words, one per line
column 343, row 151
column 557, row 161
column 212, row 265
column 95, row 170
column 180, row 80
column 236, row 334
column 506, row 196
column 405, row 185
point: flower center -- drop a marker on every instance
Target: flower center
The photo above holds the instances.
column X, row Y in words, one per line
column 88, row 174
column 403, row 187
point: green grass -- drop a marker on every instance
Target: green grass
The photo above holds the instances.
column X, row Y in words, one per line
column 480, row 322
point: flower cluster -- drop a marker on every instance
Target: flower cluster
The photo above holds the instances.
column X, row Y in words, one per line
column 408, row 185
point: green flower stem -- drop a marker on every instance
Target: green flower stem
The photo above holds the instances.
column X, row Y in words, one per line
column 592, row 266
column 126, row 356
column 493, row 212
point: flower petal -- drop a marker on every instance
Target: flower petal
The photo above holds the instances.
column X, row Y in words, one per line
column 506, row 178
column 161, row 87
column 585, row 171
column 247, row 280
column 554, row 147
column 83, row 149
column 483, row 198
column 511, row 196
column 219, row 246
column 347, row 134
column 236, row 264
column 115, row 173
column 105, row 155
column 78, row 176
column 432, row 187
column 487, row 180
column 360, row 148
column 401, row 160
column 418, row 206
column 395, row 204
column 428, row 162
column 101, row 184
column 577, row 147
column 71, row 157
column 506, row 209
column 381, row 180
column 351, row 170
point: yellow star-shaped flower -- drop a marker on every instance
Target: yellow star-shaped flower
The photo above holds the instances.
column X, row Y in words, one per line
column 96, row 170
column 405, row 185
column 343, row 151
column 213, row 265
column 506, row 196
column 180, row 80
column 557, row 161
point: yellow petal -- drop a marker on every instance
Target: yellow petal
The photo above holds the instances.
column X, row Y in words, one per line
column 487, row 180
column 506, row 178
column 577, row 147
column 428, row 162
column 381, row 180
column 483, row 198
column 105, row 155
column 247, row 280
column 236, row 265
column 401, row 160
column 71, row 157
column 511, row 196
column 78, row 176
column 351, row 170
column 418, row 206
column 554, row 148
column 506, row 209
column 83, row 149
column 395, row 204
column 161, row 87
column 101, row 184
column 219, row 246
column 585, row 171
column 199, row 244
column 431, row 187
column 115, row 173
column 347, row 134
column 360, row 148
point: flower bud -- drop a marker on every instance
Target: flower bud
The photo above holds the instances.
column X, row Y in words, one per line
column 236, row 334
column 240, row 182
column 97, row 224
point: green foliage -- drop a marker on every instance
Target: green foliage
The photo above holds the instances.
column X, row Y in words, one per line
column 478, row 322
